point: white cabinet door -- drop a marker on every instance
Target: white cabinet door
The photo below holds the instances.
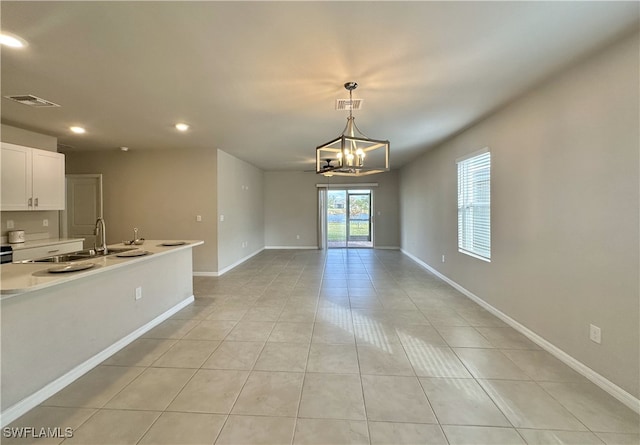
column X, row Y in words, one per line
column 16, row 177
column 48, row 180
column 32, row 179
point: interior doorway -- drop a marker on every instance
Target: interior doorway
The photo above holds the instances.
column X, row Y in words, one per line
column 83, row 207
column 348, row 218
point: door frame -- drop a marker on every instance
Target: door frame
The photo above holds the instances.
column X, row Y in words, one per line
column 322, row 211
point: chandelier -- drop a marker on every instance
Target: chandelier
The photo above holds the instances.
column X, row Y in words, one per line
column 352, row 153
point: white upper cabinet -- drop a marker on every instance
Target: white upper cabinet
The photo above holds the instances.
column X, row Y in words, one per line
column 32, row 179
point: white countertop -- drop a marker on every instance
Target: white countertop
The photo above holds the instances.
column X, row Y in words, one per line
column 42, row 242
column 18, row 278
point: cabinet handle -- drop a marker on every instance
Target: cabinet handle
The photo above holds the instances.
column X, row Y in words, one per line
column 30, row 202
column 36, row 202
column 54, row 251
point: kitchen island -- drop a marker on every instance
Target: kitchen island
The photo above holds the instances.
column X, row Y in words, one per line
column 58, row 326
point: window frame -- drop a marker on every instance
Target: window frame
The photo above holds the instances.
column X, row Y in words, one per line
column 466, row 204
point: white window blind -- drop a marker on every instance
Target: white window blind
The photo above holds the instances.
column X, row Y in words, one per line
column 474, row 205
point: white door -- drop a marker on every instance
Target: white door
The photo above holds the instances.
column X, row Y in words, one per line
column 84, row 207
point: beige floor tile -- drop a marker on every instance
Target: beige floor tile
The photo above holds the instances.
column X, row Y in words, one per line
column 299, row 314
column 389, row 360
column 392, row 433
column 253, row 430
column 334, row 432
column 186, row 354
column 489, row 364
column 270, row 394
column 329, row 333
column 210, row 391
column 476, row 316
column 64, row 420
column 595, row 408
column 154, row 389
column 251, row 331
column 462, row 402
column 507, row 338
column 445, row 316
column 482, row 435
column 463, row 337
column 141, row 352
column 332, row 396
column 184, row 429
column 192, row 312
column 111, row 427
column 287, row 332
column 396, row 399
column 263, row 313
column 379, row 334
column 412, row 316
column 619, row 439
column 434, row 361
column 283, row 357
column 210, row 330
column 234, row 355
column 546, row 437
column 419, row 335
column 175, row 329
column 341, row 359
column 227, row 313
column 542, row 366
column 527, row 405
column 95, row 388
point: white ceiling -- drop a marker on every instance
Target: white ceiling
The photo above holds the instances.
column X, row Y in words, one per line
column 259, row 80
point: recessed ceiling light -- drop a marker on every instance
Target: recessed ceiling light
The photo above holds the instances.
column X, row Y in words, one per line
column 78, row 130
column 124, row 148
column 12, row 41
column 182, row 127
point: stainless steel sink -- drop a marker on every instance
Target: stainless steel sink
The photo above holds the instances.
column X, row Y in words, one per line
column 78, row 256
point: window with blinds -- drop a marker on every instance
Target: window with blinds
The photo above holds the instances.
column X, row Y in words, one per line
column 474, row 204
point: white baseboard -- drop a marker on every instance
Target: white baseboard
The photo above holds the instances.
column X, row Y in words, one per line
column 205, row 274
column 290, row 247
column 602, row 382
column 387, row 247
column 13, row 412
column 237, row 263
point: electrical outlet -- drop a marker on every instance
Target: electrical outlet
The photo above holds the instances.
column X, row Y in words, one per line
column 297, row 236
column 199, row 218
column 138, row 293
column 221, row 218
column 595, row 334
column 443, row 258
column 45, row 223
column 10, row 224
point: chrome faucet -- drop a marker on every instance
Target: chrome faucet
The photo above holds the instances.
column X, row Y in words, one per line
column 102, row 230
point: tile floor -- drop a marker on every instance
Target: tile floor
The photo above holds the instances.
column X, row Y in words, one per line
column 344, row 347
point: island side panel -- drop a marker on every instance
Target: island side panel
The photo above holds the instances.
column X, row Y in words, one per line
column 47, row 333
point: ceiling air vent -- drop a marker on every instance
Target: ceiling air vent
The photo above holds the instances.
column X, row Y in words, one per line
column 32, row 101
column 348, row 104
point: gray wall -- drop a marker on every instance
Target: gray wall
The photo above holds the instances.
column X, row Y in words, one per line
column 241, row 202
column 565, row 197
column 30, row 222
column 159, row 191
column 291, row 207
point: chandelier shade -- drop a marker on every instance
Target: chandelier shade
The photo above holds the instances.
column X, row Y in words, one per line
column 352, row 153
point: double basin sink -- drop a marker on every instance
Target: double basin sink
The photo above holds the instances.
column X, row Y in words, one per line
column 86, row 254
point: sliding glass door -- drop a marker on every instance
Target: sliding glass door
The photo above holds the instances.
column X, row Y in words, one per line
column 349, row 218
